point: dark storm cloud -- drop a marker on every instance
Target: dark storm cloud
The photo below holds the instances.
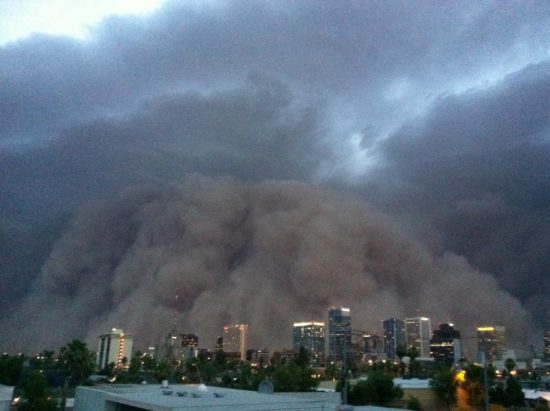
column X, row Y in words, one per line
column 265, row 254
column 273, row 90
column 477, row 167
column 352, row 50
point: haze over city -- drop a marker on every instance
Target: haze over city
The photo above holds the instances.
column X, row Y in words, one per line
column 266, row 160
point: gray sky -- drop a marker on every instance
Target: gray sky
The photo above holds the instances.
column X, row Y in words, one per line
column 435, row 113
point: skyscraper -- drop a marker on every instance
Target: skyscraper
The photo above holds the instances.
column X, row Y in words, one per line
column 373, row 347
column 418, row 331
column 491, row 341
column 310, row 335
column 189, row 344
column 172, row 346
column 235, row 339
column 445, row 344
column 113, row 348
column 339, row 333
column 394, row 336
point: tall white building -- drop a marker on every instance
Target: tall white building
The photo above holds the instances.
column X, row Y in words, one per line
column 113, row 348
column 491, row 342
column 339, row 333
column 311, row 336
column 418, row 331
column 235, row 339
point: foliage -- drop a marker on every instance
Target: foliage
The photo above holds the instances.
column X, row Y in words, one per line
column 513, row 393
column 302, row 357
column 400, row 352
column 162, row 370
column 475, row 381
column 148, row 363
column 413, row 403
column 43, row 361
column 35, row 394
column 510, row 364
column 292, row 377
column 378, row 389
column 332, row 371
column 77, row 361
column 444, row 384
column 11, row 368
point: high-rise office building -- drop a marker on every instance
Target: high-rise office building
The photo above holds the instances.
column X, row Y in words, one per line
column 172, row 346
column 418, row 331
column 189, row 344
column 112, row 348
column 310, row 335
column 546, row 356
column 219, row 343
column 339, row 333
column 373, row 347
column 445, row 344
column 235, row 339
column 491, row 341
column 394, row 336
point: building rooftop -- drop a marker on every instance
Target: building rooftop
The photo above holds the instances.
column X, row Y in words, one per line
column 193, row 397
column 6, row 393
column 412, row 383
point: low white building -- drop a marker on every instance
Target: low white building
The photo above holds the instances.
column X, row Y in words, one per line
column 194, row 397
column 6, row 395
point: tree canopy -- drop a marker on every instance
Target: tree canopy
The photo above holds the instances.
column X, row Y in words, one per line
column 377, row 389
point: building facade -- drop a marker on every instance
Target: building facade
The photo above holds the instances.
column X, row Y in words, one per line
column 491, row 342
column 394, row 337
column 445, row 345
column 189, row 344
column 172, row 346
column 374, row 349
column 311, row 336
column 339, row 333
column 418, row 331
column 114, row 348
column 235, row 339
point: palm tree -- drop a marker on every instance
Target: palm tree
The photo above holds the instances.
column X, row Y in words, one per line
column 77, row 360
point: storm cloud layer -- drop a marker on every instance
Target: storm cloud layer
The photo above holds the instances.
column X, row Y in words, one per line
column 266, row 255
column 436, row 114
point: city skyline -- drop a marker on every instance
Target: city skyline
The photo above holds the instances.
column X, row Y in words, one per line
column 445, row 343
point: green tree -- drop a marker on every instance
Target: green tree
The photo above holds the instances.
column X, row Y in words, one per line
column 413, row 403
column 219, row 360
column 162, row 370
column 510, row 364
column 474, row 383
column 514, row 396
column 11, row 368
column 378, row 389
column 77, row 361
column 148, row 362
column 134, row 369
column 293, row 378
column 35, row 394
column 444, row 384
column 332, row 371
column 43, row 361
column 302, row 357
